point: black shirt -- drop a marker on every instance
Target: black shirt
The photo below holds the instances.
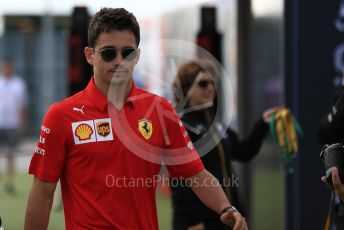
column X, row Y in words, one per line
column 188, row 210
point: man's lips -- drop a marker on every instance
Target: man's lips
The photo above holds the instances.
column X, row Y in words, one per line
column 118, row 71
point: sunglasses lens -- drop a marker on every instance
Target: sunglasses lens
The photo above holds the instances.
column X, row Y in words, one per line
column 129, row 53
column 108, row 54
column 203, row 84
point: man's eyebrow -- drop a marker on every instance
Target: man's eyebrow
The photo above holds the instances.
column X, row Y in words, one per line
column 107, row 47
column 113, row 47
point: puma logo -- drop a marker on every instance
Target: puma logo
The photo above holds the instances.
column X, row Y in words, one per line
column 79, row 110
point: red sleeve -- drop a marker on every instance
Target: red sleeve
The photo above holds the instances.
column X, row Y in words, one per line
column 49, row 155
column 181, row 157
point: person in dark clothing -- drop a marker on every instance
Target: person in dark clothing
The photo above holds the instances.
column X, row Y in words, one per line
column 197, row 81
column 331, row 131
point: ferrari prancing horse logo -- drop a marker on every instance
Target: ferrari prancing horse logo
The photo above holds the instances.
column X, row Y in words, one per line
column 146, row 128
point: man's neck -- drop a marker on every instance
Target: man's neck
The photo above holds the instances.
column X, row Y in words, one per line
column 117, row 93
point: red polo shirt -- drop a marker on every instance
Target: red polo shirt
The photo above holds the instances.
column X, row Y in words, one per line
column 108, row 160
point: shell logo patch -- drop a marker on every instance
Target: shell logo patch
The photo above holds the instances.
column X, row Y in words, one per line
column 145, row 128
column 83, row 132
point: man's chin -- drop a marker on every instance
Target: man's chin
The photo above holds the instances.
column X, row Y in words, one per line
column 120, row 79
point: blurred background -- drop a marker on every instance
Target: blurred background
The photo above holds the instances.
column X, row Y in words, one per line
column 276, row 53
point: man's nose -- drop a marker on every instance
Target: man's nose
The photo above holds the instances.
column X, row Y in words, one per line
column 118, row 59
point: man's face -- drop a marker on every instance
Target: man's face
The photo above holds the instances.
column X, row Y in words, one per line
column 119, row 69
column 7, row 69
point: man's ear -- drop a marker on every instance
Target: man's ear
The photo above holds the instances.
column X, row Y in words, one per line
column 137, row 56
column 89, row 55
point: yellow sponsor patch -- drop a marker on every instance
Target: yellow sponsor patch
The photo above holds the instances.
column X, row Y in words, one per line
column 83, row 132
column 145, row 128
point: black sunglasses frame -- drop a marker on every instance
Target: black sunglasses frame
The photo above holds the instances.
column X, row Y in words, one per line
column 108, row 54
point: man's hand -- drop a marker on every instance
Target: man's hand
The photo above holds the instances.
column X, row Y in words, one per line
column 337, row 184
column 214, row 197
column 234, row 219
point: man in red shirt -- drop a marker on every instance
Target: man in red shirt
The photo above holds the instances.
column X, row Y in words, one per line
column 106, row 144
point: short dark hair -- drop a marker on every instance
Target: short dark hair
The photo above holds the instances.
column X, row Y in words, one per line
column 108, row 19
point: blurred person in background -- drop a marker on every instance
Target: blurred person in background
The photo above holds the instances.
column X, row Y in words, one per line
column 195, row 81
column 13, row 116
column 331, row 131
column 83, row 143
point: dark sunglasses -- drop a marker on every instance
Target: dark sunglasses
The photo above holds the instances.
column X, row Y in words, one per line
column 109, row 54
column 204, row 83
